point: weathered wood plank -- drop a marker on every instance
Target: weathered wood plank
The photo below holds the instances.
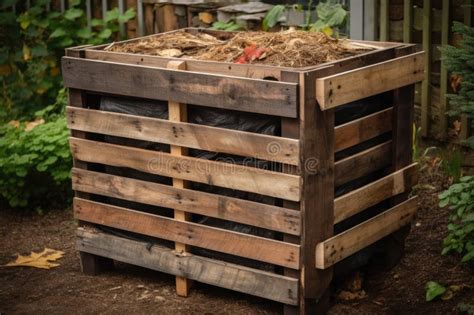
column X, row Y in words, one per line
column 214, row 272
column 242, row 94
column 194, row 136
column 350, row 241
column 363, row 129
column 369, row 195
column 193, row 234
column 212, row 205
column 349, row 86
column 426, row 84
column 363, row 163
column 220, row 174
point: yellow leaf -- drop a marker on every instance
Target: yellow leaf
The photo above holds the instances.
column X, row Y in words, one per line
column 55, row 71
column 327, row 30
column 41, row 260
column 26, row 53
column 24, row 24
column 206, row 17
column 32, row 124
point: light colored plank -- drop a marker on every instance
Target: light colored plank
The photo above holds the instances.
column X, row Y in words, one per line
column 222, row 174
column 362, row 163
column 343, row 88
column 193, row 234
column 242, row 94
column 278, row 149
column 362, row 235
column 214, row 272
column 212, row 205
column 178, row 112
column 369, row 195
column 363, row 129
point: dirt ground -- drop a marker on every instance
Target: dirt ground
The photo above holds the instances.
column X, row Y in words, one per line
column 64, row 290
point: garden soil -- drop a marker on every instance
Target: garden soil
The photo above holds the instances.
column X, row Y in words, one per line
column 64, row 290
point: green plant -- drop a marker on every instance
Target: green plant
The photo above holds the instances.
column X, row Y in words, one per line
column 460, row 61
column 460, row 199
column 331, row 16
column 272, row 16
column 433, row 290
column 34, row 157
column 229, row 26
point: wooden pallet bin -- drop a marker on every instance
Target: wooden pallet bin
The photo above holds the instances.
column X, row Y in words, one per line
column 370, row 157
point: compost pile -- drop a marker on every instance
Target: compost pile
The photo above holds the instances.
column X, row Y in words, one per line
column 287, row 49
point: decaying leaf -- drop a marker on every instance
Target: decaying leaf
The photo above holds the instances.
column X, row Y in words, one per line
column 32, row 124
column 206, row 17
column 41, row 260
column 351, row 296
column 14, row 123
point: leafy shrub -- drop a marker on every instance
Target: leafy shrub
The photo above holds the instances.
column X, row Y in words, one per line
column 460, row 199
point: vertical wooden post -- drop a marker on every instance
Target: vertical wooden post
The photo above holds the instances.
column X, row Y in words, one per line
column 445, row 31
column 384, row 21
column 178, row 112
column 465, row 121
column 317, row 197
column 426, row 84
column 407, row 21
column 90, row 264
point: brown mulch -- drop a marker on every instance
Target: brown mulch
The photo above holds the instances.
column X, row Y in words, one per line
column 288, row 48
column 64, row 290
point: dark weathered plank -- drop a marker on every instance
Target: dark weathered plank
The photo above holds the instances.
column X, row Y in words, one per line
column 234, row 243
column 363, row 163
column 220, row 174
column 217, row 206
column 225, row 275
column 363, row 129
column 362, row 235
column 371, row 194
column 194, row 136
column 249, row 95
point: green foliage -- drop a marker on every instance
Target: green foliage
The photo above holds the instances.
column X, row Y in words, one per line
column 34, row 153
column 460, row 61
column 460, row 199
column 465, row 308
column 331, row 16
column 229, row 26
column 35, row 160
column 433, row 290
column 272, row 17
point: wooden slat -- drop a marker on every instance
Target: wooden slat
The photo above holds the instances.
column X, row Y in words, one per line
column 369, row 195
column 384, row 21
column 349, row 86
column 212, row 205
column 349, row 242
column 363, row 163
column 425, row 85
column 234, row 243
column 363, row 129
column 249, row 95
column 445, row 31
column 194, row 136
column 220, row 174
column 407, row 21
column 214, row 272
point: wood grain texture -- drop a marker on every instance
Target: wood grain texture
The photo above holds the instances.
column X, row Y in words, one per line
column 371, row 194
column 225, row 241
column 278, row 149
column 343, row 88
column 216, row 206
column 363, row 163
column 242, row 94
column 363, row 129
column 220, row 174
column 350, row 241
column 214, row 272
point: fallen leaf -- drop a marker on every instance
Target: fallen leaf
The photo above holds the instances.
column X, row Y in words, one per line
column 14, row 123
column 351, row 296
column 206, row 17
column 32, row 124
column 38, row 260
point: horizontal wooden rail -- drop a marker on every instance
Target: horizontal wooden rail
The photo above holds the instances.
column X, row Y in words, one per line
column 193, row 234
column 345, row 87
column 242, row 94
column 362, row 235
column 369, row 195
column 362, row 163
column 278, row 149
column 363, row 129
column 220, row 174
column 217, row 206
column 210, row 271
